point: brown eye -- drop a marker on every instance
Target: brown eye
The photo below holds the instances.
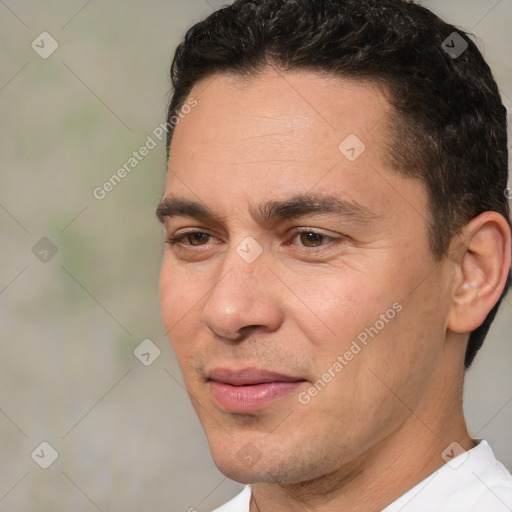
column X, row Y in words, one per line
column 311, row 239
column 197, row 238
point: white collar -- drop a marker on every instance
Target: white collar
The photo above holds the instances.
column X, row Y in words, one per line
column 472, row 479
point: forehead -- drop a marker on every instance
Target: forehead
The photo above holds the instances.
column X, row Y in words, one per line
column 285, row 133
column 301, row 105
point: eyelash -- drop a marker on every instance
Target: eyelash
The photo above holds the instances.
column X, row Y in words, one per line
column 174, row 240
column 177, row 239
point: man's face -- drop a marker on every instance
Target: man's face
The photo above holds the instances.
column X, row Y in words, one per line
column 311, row 254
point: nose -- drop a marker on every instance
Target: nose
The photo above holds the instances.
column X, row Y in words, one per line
column 244, row 299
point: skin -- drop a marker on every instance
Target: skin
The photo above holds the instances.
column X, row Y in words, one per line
column 381, row 424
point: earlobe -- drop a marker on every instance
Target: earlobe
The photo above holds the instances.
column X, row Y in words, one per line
column 483, row 263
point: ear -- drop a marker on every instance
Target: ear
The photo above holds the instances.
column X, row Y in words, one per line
column 482, row 254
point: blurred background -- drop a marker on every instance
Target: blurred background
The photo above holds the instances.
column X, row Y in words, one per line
column 82, row 86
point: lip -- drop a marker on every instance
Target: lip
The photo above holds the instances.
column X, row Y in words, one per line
column 250, row 389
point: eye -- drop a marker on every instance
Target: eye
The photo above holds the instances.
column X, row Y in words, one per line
column 192, row 238
column 309, row 238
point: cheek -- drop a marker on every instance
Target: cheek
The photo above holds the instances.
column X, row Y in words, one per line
column 177, row 299
column 342, row 305
column 380, row 311
column 178, row 296
column 168, row 296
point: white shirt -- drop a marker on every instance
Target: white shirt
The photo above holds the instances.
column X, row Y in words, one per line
column 474, row 481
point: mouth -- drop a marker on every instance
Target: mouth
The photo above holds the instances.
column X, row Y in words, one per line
column 250, row 389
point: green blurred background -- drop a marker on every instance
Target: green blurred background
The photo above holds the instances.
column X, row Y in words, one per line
column 127, row 437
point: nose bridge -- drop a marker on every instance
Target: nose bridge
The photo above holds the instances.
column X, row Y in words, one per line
column 244, row 294
column 245, row 263
column 242, row 272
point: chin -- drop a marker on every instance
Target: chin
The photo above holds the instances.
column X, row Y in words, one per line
column 249, row 475
column 242, row 462
column 239, row 459
column 237, row 474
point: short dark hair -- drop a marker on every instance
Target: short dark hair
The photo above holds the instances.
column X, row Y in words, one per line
column 447, row 126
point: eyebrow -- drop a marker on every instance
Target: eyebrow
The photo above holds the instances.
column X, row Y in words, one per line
column 289, row 209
